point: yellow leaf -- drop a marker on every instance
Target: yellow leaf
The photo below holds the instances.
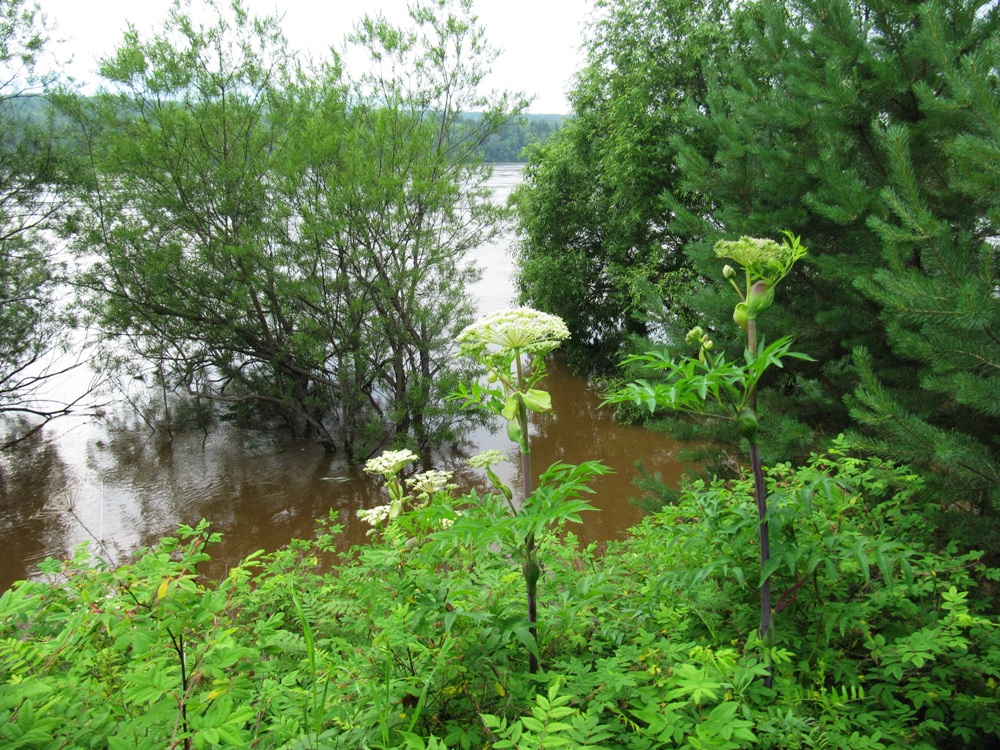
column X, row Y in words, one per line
column 161, row 591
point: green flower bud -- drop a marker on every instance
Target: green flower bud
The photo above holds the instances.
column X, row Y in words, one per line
column 760, row 299
column 694, row 336
column 531, row 573
column 728, row 272
column 740, row 316
column 395, row 507
column 492, row 377
column 510, row 408
column 514, row 431
column 537, row 401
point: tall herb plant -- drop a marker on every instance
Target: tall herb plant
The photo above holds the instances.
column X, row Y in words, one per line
column 512, row 346
column 710, row 385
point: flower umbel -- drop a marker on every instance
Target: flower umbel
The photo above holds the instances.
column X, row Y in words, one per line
column 431, row 481
column 374, row 516
column 694, row 336
column 522, row 329
column 486, row 459
column 763, row 259
column 390, row 463
column 749, row 251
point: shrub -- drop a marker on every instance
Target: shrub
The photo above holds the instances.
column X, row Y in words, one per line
column 417, row 639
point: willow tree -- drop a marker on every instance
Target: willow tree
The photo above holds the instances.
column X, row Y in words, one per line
column 280, row 238
column 409, row 199
column 33, row 320
column 190, row 282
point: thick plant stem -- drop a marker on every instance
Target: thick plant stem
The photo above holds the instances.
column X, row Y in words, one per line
column 760, row 492
column 765, row 546
column 765, row 538
column 531, row 572
column 531, row 569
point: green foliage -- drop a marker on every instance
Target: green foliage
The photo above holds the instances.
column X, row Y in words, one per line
column 868, row 127
column 414, row 640
column 594, row 238
column 863, row 125
column 508, row 144
column 33, row 313
column 285, row 240
column 709, row 385
column 497, row 342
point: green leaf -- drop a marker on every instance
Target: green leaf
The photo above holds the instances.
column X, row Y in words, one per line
column 511, row 407
column 537, row 400
column 514, row 431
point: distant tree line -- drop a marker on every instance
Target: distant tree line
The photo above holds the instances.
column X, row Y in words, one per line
column 508, row 144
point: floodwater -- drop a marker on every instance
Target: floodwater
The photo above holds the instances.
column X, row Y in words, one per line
column 112, row 483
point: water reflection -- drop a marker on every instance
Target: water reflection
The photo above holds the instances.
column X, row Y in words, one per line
column 36, row 505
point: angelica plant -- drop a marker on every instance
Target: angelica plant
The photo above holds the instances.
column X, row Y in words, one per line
column 512, row 345
column 389, row 464
column 709, row 385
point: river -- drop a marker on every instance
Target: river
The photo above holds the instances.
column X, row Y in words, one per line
column 112, row 483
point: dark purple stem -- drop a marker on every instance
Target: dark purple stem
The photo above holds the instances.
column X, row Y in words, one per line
column 531, row 568
column 760, row 492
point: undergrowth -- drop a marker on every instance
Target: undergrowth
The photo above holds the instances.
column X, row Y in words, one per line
column 418, row 639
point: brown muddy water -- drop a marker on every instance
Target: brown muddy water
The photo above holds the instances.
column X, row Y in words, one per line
column 112, row 483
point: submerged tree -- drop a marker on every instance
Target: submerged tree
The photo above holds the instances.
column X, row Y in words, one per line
column 279, row 238
column 190, row 277
column 413, row 202
column 33, row 317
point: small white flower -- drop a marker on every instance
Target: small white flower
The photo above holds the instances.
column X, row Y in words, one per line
column 390, row 463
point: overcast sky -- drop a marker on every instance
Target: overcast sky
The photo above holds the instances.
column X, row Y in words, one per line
column 539, row 39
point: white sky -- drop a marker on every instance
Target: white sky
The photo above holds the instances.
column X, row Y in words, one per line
column 539, row 39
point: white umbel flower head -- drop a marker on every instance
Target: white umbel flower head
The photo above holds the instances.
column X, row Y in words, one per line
column 374, row 516
column 431, row 481
column 486, row 459
column 390, row 463
column 521, row 329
